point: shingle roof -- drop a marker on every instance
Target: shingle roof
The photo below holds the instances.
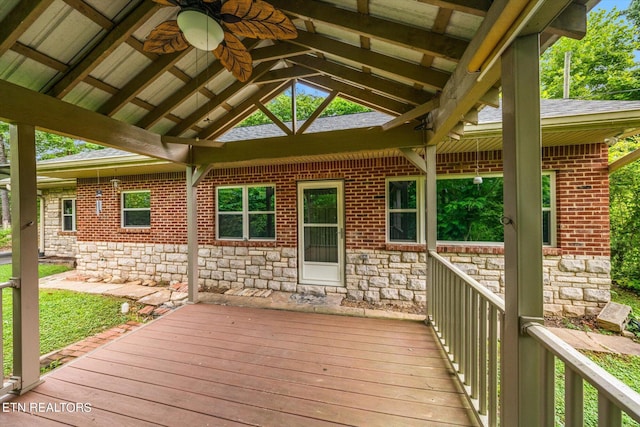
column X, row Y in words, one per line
column 548, row 108
column 564, row 107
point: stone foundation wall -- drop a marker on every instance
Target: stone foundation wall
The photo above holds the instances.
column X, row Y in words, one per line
column 57, row 242
column 375, row 276
column 574, row 285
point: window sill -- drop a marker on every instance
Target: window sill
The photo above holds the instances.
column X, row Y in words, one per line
column 247, row 243
column 406, row 247
column 135, row 230
column 67, row 233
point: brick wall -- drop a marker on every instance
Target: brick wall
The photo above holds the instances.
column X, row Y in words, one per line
column 375, row 270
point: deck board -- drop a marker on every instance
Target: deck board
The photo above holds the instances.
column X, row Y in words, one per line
column 221, row 365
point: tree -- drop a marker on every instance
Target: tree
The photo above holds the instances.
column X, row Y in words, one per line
column 624, row 186
column 633, row 14
column 306, row 104
column 602, row 63
column 48, row 146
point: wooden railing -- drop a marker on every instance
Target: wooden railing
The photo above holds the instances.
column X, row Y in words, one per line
column 6, row 385
column 469, row 322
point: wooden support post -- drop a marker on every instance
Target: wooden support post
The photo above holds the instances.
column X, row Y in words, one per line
column 192, row 234
column 24, row 220
column 522, row 154
column 431, row 221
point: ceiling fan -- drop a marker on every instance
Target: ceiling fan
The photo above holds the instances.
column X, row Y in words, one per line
column 214, row 25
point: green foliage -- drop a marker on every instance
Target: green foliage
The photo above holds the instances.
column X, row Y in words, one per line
column 602, row 63
column 468, row 212
column 65, row 317
column 623, row 367
column 49, row 145
column 624, row 186
column 306, row 104
column 633, row 15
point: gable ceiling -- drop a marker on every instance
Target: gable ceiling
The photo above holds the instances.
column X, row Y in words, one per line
column 406, row 58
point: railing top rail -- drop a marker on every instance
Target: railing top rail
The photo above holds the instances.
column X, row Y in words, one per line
column 623, row 396
column 483, row 291
column 8, row 284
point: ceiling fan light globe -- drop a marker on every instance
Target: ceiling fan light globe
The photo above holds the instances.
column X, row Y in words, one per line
column 201, row 31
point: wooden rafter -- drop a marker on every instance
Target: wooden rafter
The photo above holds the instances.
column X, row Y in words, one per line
column 19, row 20
column 108, row 44
column 473, row 7
column 278, row 51
column 359, row 95
column 60, row 117
column 273, row 118
column 242, row 110
column 219, row 99
column 427, row 77
column 91, row 13
column 413, row 114
column 392, row 32
column 316, row 113
column 140, row 82
column 288, row 73
column 192, row 85
column 390, row 88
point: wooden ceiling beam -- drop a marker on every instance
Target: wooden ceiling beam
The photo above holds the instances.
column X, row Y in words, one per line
column 119, row 34
column 283, row 74
column 391, row 88
column 376, row 28
column 464, row 89
column 57, row 116
column 242, row 110
column 219, row 99
column 312, row 118
column 360, row 95
column 413, row 114
column 472, row 7
column 428, row 77
column 20, row 18
column 142, row 80
column 278, row 51
column 91, row 13
column 309, row 144
column 274, row 119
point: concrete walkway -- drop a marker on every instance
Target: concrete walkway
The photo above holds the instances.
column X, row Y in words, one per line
column 159, row 300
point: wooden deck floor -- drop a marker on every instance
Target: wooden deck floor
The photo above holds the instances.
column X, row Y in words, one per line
column 209, row 365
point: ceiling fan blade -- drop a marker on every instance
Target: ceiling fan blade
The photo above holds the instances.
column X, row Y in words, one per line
column 234, row 57
column 257, row 19
column 165, row 38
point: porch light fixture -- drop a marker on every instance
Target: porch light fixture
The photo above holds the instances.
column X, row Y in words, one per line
column 201, row 30
column 477, row 179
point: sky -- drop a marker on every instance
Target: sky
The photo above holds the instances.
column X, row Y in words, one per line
column 610, row 4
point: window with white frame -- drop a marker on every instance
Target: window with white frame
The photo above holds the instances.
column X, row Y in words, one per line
column 405, row 210
column 469, row 212
column 136, row 209
column 246, row 212
column 68, row 214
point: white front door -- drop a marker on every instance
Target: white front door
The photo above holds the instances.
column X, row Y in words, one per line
column 321, row 232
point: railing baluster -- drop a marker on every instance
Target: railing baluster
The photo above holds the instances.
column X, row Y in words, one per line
column 483, row 357
column 493, row 367
column 573, row 400
column 474, row 317
column 549, row 386
column 468, row 325
column 608, row 414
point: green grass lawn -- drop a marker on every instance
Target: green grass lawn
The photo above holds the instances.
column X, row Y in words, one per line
column 65, row 316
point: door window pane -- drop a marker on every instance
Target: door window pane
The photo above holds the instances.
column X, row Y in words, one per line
column 321, row 244
column 321, row 206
